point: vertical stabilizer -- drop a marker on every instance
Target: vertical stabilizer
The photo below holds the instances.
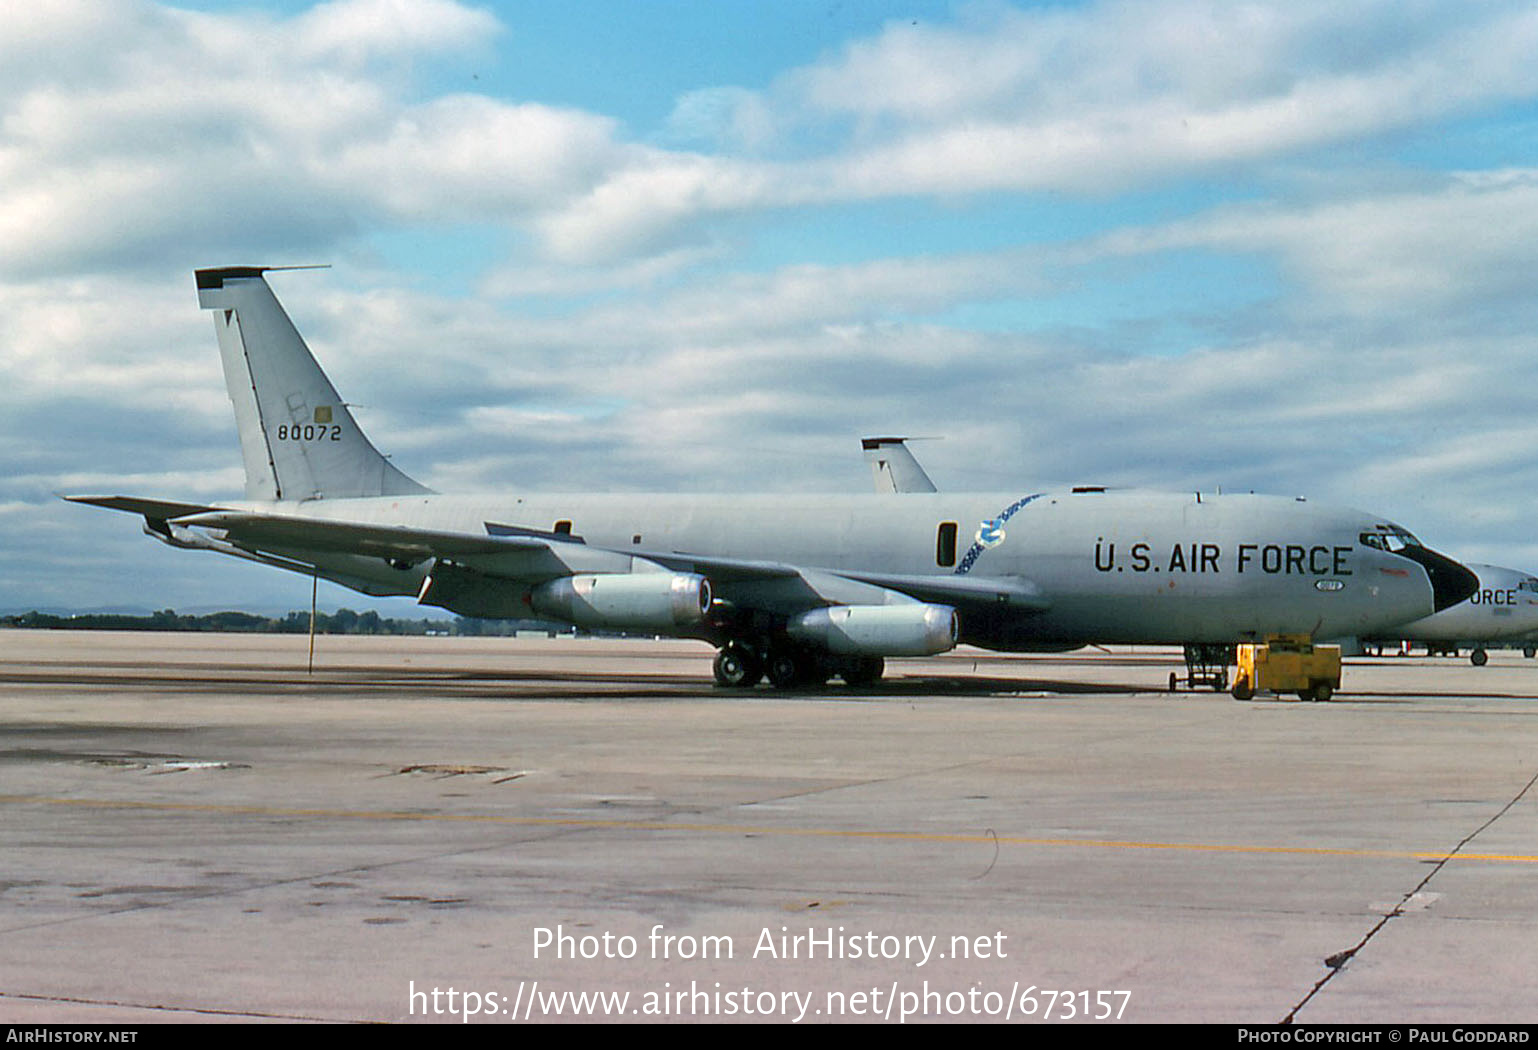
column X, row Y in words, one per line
column 297, row 437
column 893, row 467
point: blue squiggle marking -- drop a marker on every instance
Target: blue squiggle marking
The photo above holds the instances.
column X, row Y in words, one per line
column 975, row 551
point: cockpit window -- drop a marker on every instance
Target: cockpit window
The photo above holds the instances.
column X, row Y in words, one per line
column 1528, row 584
column 1389, row 538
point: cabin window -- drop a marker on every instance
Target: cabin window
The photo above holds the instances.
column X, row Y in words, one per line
column 945, row 544
column 563, row 528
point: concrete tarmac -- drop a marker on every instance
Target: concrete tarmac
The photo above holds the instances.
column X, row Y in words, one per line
column 194, row 828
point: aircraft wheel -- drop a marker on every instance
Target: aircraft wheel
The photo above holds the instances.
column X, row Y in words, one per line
column 785, row 671
column 1479, row 657
column 1174, row 681
column 1529, row 651
column 866, row 670
column 737, row 667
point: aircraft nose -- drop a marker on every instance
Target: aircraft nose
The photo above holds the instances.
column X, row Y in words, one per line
column 1451, row 583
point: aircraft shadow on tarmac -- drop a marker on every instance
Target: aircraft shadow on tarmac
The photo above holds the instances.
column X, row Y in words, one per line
column 534, row 684
column 527, row 685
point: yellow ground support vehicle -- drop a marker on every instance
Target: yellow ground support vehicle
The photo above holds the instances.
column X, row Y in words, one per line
column 1288, row 663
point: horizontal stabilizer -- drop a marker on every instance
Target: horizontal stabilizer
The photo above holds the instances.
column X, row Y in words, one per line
column 158, row 509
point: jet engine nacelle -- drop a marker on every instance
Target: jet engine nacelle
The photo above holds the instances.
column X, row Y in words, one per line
column 659, row 601
column 878, row 630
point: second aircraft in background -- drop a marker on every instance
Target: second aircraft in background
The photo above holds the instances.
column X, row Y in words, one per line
column 1502, row 612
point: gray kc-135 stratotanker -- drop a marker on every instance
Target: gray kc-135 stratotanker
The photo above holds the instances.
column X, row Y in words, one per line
column 798, row 587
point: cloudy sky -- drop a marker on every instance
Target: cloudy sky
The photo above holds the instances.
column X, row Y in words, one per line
column 1286, row 247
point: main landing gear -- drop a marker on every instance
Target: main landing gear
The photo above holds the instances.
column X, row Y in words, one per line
column 738, row 666
column 741, row 664
column 1478, row 655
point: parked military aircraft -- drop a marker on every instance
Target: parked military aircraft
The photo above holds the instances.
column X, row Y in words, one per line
column 1503, row 610
column 798, row 587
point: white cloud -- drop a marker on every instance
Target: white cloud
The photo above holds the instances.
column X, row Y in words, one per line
column 1090, row 99
column 202, row 131
column 361, row 29
column 469, row 157
column 641, row 206
column 1435, row 252
column 723, row 117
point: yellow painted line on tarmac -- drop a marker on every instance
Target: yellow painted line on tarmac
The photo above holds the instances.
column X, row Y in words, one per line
column 584, row 823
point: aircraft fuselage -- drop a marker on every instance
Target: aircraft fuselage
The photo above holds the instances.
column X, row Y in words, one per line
column 1110, row 566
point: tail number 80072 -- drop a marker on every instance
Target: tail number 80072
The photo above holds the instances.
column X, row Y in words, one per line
column 309, row 432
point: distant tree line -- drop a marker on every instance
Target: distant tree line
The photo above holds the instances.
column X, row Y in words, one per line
column 343, row 621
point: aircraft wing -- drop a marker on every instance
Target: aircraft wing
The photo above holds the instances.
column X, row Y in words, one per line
column 527, row 557
column 398, row 542
column 1017, row 593
column 520, row 555
column 779, row 585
